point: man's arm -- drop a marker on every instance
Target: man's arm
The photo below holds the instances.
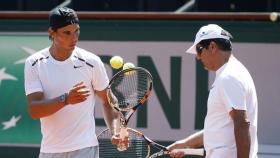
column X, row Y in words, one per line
column 193, row 141
column 241, row 132
column 111, row 117
column 40, row 107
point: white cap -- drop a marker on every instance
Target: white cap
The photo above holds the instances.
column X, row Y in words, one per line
column 210, row 31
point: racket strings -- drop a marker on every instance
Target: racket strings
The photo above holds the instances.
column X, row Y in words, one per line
column 131, row 87
column 137, row 147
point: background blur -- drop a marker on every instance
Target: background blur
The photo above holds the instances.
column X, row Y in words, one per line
column 145, row 5
column 153, row 34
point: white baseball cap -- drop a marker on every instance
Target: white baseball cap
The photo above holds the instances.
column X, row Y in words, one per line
column 210, row 31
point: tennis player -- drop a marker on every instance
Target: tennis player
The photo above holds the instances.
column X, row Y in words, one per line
column 61, row 82
column 230, row 127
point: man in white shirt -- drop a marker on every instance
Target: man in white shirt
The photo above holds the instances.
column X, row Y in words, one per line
column 61, row 82
column 230, row 127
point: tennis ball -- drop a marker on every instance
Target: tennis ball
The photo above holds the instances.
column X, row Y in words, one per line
column 116, row 62
column 273, row 16
column 128, row 65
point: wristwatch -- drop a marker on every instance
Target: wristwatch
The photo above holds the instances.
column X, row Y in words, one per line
column 63, row 98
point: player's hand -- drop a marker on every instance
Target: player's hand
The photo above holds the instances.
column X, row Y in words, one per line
column 116, row 140
column 77, row 94
column 177, row 154
column 176, row 145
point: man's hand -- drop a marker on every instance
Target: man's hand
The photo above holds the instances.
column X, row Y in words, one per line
column 176, row 145
column 121, row 143
column 193, row 141
column 77, row 94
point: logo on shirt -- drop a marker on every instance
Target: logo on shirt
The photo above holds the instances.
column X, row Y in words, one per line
column 76, row 67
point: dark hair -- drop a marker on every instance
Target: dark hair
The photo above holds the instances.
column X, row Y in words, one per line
column 223, row 44
column 62, row 16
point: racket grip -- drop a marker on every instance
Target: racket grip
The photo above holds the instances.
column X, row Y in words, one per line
column 123, row 144
column 199, row 152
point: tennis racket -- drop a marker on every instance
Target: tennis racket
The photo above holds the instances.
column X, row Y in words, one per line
column 127, row 90
column 139, row 146
column 187, row 151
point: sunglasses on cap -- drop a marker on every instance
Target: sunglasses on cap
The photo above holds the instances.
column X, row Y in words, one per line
column 201, row 45
column 199, row 49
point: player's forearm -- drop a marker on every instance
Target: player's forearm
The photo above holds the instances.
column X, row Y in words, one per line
column 112, row 118
column 195, row 140
column 46, row 107
column 243, row 141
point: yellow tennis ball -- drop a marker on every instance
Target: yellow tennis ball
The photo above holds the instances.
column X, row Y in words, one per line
column 116, row 62
column 128, row 65
column 273, row 16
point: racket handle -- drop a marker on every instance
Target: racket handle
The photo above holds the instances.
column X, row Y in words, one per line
column 123, row 144
column 199, row 152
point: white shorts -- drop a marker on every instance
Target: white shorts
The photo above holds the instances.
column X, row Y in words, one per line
column 90, row 152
